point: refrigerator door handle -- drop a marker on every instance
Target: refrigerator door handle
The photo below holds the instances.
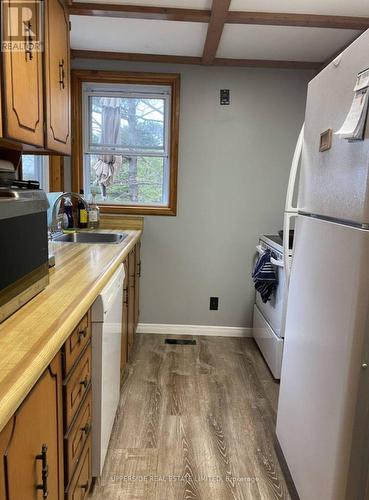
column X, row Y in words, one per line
column 293, row 173
column 286, row 249
column 290, row 210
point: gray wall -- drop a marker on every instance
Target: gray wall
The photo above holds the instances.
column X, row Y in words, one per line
column 233, row 170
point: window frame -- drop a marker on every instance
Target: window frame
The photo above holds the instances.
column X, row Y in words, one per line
column 172, row 80
column 42, row 173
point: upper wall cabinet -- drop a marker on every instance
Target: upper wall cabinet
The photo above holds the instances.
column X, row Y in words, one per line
column 35, row 85
column 23, row 114
column 57, row 76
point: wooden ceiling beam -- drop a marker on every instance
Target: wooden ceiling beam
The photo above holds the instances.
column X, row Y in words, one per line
column 139, row 12
column 132, row 56
column 203, row 16
column 172, row 59
column 301, row 20
column 218, row 17
column 267, row 63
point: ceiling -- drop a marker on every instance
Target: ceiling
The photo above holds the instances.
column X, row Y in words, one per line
column 110, row 30
column 138, row 35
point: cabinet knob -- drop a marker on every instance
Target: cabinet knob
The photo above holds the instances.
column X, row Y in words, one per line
column 82, row 334
column 86, row 428
column 84, row 486
column 84, row 382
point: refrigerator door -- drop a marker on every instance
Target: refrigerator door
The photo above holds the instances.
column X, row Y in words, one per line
column 334, row 183
column 326, row 324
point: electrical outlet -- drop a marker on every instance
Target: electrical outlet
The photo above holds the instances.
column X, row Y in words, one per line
column 214, row 303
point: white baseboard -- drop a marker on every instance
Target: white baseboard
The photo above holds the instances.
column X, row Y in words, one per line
column 214, row 331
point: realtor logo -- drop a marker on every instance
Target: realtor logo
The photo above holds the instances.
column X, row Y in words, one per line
column 21, row 27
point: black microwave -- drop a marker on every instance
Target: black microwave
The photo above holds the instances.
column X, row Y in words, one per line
column 24, row 268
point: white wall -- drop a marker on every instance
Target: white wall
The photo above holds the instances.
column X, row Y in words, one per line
column 233, row 171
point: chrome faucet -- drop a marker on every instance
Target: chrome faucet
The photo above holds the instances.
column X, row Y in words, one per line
column 55, row 226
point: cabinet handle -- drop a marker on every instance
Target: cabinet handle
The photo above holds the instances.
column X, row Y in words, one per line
column 82, row 334
column 84, row 382
column 86, row 428
column 125, row 301
column 61, row 74
column 84, row 487
column 28, row 42
column 139, row 269
column 45, row 471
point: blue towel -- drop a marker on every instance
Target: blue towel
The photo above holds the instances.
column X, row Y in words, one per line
column 264, row 276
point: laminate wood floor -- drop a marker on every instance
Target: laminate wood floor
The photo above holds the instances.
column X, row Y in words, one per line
column 195, row 422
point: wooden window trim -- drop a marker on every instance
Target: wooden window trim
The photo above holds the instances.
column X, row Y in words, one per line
column 56, row 173
column 171, row 79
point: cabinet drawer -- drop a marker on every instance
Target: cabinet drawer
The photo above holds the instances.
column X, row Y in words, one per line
column 77, row 437
column 81, row 482
column 76, row 343
column 77, row 385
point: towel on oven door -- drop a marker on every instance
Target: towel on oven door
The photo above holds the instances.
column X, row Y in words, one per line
column 264, row 276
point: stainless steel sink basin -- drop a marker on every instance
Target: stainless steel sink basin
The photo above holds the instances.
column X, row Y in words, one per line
column 91, row 237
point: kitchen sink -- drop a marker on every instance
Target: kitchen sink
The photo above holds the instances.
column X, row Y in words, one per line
column 91, row 237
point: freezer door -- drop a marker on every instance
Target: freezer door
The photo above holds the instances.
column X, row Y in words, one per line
column 334, row 183
column 326, row 324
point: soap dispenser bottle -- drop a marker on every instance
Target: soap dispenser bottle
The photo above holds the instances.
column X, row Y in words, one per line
column 93, row 214
column 82, row 213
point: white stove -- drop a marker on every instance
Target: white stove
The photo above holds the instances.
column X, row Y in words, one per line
column 268, row 319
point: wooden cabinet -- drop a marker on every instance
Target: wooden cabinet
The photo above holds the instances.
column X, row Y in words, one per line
column 31, row 443
column 133, row 264
column 131, row 289
column 124, row 341
column 137, row 283
column 76, row 343
column 76, row 386
column 81, row 481
column 22, row 82
column 1, row 107
column 77, row 437
column 131, row 297
column 35, row 85
column 77, row 405
column 57, row 77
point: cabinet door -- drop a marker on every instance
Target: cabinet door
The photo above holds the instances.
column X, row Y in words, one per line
column 22, row 82
column 137, row 283
column 124, row 348
column 57, row 77
column 131, row 297
column 4, row 440
column 1, row 112
column 34, row 448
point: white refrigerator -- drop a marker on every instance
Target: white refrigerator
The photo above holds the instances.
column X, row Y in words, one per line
column 323, row 410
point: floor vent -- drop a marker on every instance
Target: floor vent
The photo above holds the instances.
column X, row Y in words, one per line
column 181, row 341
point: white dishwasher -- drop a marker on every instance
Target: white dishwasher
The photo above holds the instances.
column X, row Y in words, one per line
column 106, row 347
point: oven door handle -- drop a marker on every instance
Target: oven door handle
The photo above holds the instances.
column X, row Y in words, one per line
column 275, row 262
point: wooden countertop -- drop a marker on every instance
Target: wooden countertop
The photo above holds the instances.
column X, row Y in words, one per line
column 32, row 336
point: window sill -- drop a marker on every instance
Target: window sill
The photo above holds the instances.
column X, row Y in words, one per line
column 138, row 210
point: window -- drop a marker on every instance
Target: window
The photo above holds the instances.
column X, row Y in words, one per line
column 127, row 153
column 36, row 168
